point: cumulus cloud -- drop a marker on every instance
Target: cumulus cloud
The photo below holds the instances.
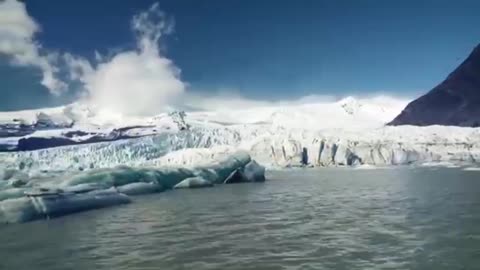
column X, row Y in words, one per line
column 17, row 41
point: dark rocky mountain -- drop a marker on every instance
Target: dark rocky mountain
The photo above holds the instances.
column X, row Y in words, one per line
column 454, row 102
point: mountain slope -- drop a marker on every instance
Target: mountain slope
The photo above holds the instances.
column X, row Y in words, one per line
column 455, row 101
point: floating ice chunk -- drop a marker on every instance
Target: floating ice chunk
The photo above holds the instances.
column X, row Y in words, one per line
column 18, row 210
column 472, row 169
column 207, row 174
column 254, row 172
column 235, row 177
column 166, row 177
column 194, row 182
column 140, row 188
column 64, row 204
column 123, row 175
column 52, row 197
column 251, row 172
column 83, row 188
column 16, row 183
column 226, row 167
column 11, row 193
column 169, row 177
column 365, row 167
column 445, row 164
column 55, row 204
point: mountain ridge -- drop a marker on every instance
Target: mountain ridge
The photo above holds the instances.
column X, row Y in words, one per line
column 453, row 102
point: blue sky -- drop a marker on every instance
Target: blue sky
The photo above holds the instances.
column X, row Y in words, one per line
column 266, row 49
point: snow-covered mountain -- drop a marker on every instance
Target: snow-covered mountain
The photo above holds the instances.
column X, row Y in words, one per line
column 347, row 132
column 80, row 124
column 77, row 124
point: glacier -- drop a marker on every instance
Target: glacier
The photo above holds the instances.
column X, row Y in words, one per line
column 345, row 133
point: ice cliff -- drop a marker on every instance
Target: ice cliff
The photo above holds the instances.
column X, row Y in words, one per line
column 348, row 132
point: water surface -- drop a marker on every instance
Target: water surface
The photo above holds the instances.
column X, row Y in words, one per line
column 400, row 218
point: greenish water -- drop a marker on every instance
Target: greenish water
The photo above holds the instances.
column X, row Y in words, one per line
column 400, row 218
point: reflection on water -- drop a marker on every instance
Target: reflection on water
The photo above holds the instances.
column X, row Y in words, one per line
column 399, row 218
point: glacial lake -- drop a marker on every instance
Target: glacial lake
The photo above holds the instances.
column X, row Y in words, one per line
column 395, row 218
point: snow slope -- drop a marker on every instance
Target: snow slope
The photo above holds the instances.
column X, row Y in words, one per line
column 347, row 113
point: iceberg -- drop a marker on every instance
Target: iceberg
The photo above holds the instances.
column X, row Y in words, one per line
column 98, row 188
column 140, row 188
column 194, row 182
column 60, row 203
column 254, row 172
column 471, row 169
column 54, row 204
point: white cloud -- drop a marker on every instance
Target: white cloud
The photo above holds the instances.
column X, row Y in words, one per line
column 78, row 68
column 150, row 26
column 17, row 41
column 230, row 99
column 137, row 82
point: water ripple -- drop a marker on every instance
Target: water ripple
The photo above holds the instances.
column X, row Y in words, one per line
column 312, row 219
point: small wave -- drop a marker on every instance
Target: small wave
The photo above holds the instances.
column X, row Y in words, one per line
column 444, row 164
column 365, row 167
